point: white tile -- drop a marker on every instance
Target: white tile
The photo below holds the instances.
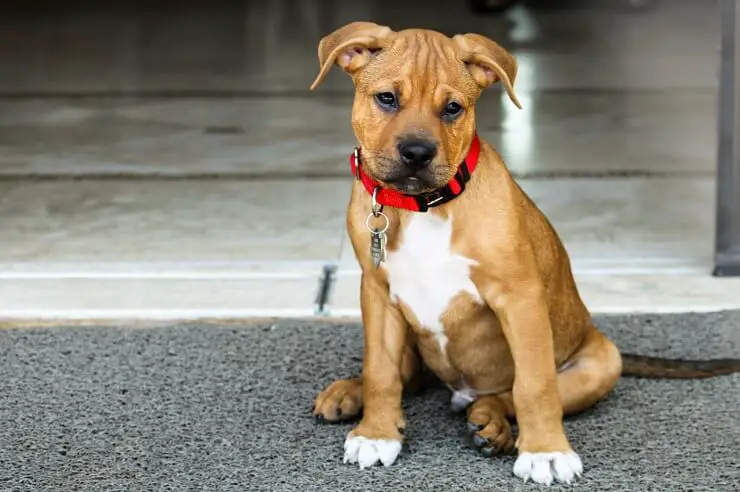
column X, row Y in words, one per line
column 100, row 298
column 630, row 219
column 668, row 132
column 625, row 223
column 204, row 224
column 176, row 136
column 571, row 131
column 607, row 293
column 186, row 270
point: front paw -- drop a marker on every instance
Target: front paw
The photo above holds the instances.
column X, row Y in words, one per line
column 369, row 452
column 340, row 401
column 367, row 447
column 545, row 468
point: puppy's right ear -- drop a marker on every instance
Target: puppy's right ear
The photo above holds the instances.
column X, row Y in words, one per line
column 351, row 47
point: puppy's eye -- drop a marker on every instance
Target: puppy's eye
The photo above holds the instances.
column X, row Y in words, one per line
column 452, row 111
column 386, row 100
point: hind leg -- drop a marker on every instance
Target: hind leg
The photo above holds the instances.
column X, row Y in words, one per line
column 582, row 381
column 586, row 377
column 488, row 427
column 590, row 374
column 342, row 399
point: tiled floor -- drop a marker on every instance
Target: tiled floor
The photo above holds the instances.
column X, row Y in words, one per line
column 131, row 221
column 557, row 132
column 220, row 189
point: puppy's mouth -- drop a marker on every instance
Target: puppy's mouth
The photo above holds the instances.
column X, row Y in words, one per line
column 414, row 183
column 411, row 185
column 399, row 177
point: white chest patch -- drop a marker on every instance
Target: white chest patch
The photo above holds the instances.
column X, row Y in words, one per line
column 426, row 274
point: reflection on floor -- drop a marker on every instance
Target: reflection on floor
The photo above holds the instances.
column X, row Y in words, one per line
column 199, row 177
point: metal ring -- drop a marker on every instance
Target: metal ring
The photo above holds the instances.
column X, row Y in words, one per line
column 383, row 229
column 376, row 207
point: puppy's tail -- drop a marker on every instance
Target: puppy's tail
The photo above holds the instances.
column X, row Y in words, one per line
column 640, row 366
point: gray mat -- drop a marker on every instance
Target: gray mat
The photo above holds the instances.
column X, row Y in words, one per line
column 228, row 408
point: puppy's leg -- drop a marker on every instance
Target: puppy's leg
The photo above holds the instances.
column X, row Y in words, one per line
column 342, row 399
column 587, row 377
column 545, row 455
column 378, row 437
column 590, row 374
column 488, row 426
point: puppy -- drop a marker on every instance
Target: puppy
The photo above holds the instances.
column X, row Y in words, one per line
column 460, row 269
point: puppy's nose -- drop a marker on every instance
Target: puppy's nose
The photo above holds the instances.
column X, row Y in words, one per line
column 417, row 154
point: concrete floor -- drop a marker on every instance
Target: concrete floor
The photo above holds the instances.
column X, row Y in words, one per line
column 159, row 162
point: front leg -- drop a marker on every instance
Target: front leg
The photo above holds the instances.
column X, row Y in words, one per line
column 545, row 455
column 378, row 436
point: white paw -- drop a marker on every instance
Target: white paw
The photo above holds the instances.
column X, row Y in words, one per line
column 368, row 452
column 545, row 468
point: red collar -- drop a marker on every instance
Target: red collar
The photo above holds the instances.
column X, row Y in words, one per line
column 423, row 202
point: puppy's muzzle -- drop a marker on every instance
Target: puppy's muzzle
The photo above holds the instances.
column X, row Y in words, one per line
column 417, row 154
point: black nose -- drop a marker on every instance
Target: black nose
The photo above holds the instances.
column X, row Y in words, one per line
column 417, row 154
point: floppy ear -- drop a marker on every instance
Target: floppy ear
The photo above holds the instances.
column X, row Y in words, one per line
column 351, row 47
column 488, row 63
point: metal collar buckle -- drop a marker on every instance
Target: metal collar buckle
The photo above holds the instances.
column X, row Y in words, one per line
column 433, row 197
column 377, row 208
column 356, row 154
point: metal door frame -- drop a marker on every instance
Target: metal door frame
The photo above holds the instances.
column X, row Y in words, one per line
column 727, row 235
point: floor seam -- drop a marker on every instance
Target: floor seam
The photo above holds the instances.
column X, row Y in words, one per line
column 149, row 176
column 325, row 289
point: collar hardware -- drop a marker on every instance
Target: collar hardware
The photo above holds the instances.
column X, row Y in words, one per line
column 356, row 157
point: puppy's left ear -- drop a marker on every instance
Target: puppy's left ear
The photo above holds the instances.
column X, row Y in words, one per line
column 351, row 47
column 488, row 63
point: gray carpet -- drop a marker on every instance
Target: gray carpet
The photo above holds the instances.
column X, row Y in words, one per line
column 228, row 408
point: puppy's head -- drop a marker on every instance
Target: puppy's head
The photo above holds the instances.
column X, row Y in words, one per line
column 415, row 95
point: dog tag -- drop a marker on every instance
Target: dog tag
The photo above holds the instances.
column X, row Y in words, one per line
column 377, row 246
